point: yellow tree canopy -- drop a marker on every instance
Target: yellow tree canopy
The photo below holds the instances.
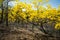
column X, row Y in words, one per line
column 24, row 10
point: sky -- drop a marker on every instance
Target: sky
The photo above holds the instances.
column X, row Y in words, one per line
column 53, row 3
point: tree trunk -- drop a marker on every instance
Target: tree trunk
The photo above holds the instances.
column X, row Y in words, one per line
column 7, row 14
column 43, row 28
column 2, row 13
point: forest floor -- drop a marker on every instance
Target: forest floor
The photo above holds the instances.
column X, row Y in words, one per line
column 23, row 34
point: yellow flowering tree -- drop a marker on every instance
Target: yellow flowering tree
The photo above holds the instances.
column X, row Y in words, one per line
column 25, row 13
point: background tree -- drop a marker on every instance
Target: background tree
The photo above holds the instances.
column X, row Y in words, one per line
column 2, row 8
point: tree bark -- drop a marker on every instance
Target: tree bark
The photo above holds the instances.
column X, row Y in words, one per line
column 7, row 14
column 2, row 13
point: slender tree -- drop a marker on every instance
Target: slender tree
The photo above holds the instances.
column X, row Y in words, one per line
column 2, row 11
column 7, row 14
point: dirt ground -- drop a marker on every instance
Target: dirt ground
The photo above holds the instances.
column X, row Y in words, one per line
column 24, row 34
